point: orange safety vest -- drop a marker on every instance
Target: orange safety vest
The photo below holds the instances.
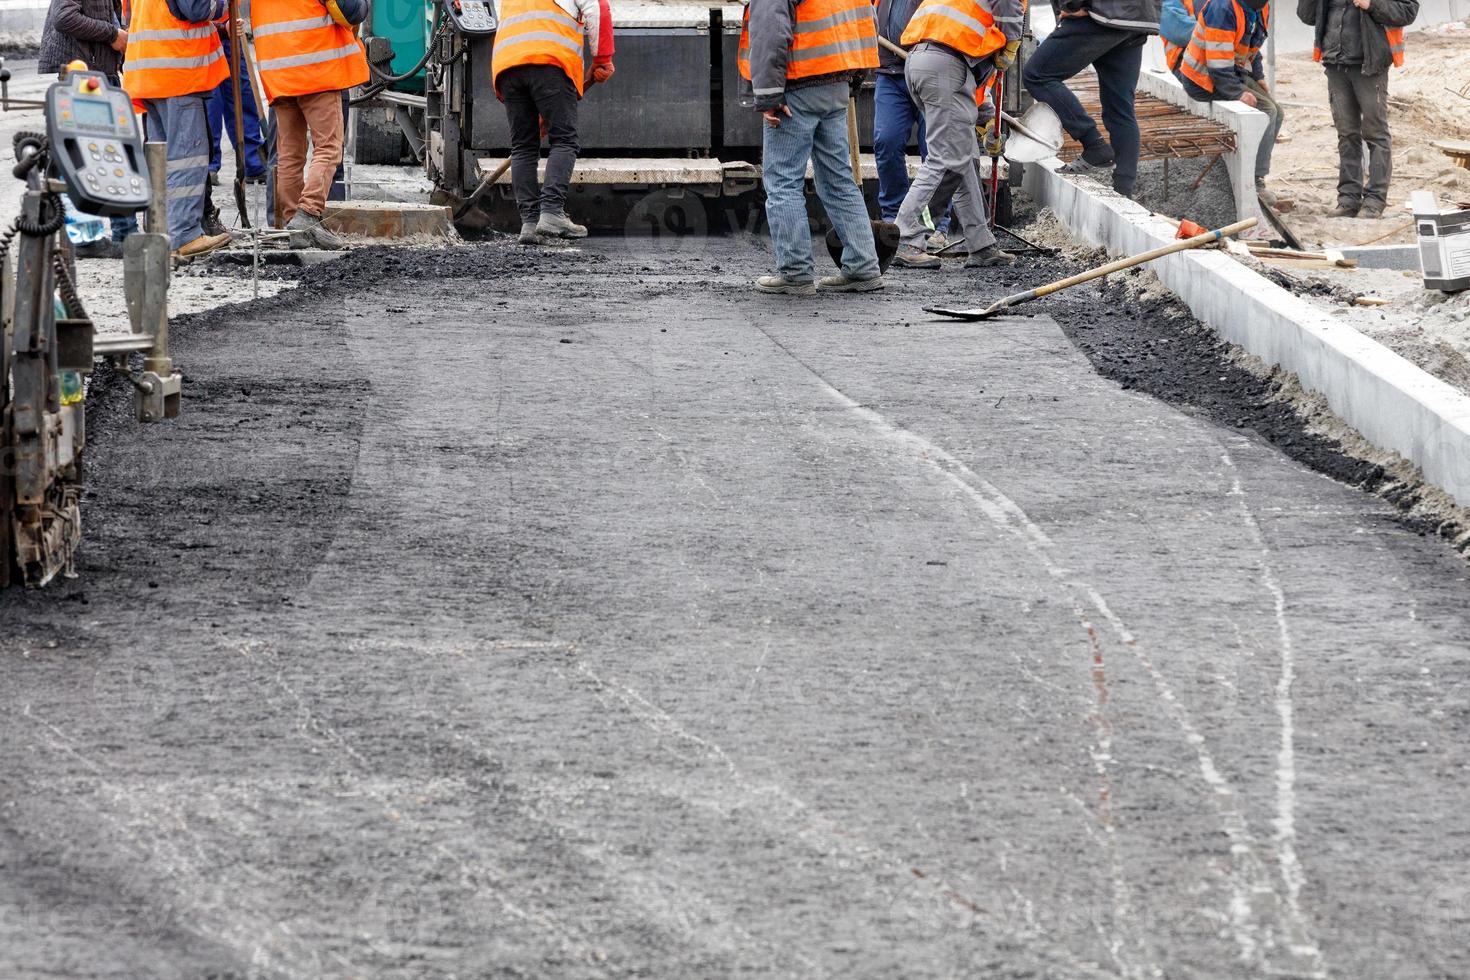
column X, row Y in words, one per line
column 167, row 57
column 967, row 26
column 301, row 50
column 1209, row 46
column 1395, row 37
column 1173, row 53
column 829, row 37
column 537, row 32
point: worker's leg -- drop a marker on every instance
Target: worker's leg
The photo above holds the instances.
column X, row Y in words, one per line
column 1117, row 79
column 290, row 156
column 945, row 88
column 1067, row 50
column 323, row 114
column 1342, row 98
column 216, row 124
column 785, row 150
column 183, row 123
column 1275, row 115
column 1372, row 92
column 556, row 98
column 893, row 121
column 832, row 174
column 525, row 141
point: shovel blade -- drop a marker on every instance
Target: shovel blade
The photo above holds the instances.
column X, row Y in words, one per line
column 984, row 313
column 1042, row 139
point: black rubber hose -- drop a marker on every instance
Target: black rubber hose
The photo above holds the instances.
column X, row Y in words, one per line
column 49, row 224
column 387, row 79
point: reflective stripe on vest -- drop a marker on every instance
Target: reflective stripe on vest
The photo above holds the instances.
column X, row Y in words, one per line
column 967, row 26
column 1218, row 48
column 828, row 38
column 302, row 51
column 1395, row 36
column 538, row 32
column 168, row 57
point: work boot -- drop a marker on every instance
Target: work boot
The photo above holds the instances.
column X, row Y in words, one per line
column 842, row 284
column 559, row 226
column 1344, row 211
column 914, row 257
column 202, row 245
column 1095, row 160
column 528, row 234
column 104, row 249
column 1371, row 212
column 780, row 284
column 212, row 224
column 214, row 178
column 990, row 255
column 1270, row 198
column 936, row 243
column 307, row 231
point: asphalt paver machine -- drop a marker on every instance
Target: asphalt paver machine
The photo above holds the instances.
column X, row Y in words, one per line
column 92, row 151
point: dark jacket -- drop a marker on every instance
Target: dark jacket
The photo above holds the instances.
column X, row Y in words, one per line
column 81, row 29
column 893, row 17
column 1370, row 25
column 1139, row 16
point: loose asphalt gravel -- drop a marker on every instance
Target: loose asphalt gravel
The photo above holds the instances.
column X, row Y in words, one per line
column 498, row 614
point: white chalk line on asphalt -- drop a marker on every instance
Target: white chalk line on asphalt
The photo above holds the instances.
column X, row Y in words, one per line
column 1006, row 513
column 1293, row 876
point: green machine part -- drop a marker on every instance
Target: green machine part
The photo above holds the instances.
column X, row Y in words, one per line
column 406, row 25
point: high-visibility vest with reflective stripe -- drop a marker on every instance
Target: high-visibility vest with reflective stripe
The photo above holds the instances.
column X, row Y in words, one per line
column 300, row 50
column 967, row 26
column 167, row 57
column 1217, row 48
column 1395, row 37
column 828, row 38
column 1173, row 53
column 537, row 32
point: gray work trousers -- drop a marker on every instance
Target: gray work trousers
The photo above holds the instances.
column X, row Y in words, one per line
column 183, row 123
column 942, row 86
column 1360, row 112
column 1275, row 115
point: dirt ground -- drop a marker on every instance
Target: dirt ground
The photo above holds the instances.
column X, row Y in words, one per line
column 1424, row 105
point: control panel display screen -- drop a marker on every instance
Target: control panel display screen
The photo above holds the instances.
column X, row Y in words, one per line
column 92, row 112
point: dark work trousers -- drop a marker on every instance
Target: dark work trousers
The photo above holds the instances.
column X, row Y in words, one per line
column 533, row 93
column 1360, row 112
column 1076, row 43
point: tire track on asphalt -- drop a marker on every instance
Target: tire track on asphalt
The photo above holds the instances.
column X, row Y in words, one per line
column 1252, row 938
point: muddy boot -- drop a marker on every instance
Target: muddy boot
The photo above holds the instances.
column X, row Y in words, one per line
column 104, row 249
column 914, row 257
column 307, row 231
column 212, row 224
column 842, row 284
column 1271, row 199
column 529, row 235
column 1371, row 212
column 780, row 284
column 990, row 255
column 559, row 226
column 1344, row 211
column 936, row 243
column 1094, row 161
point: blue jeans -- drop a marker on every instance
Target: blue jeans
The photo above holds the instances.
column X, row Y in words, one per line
column 815, row 131
column 894, row 116
column 222, row 120
column 1076, row 43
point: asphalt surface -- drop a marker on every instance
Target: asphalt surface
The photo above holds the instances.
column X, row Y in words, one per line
column 489, row 614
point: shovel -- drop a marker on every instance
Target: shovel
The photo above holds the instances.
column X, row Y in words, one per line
column 885, row 233
column 1016, row 299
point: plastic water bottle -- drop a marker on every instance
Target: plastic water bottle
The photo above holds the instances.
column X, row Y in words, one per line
column 82, row 229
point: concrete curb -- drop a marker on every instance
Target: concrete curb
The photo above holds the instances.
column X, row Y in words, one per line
column 1391, row 402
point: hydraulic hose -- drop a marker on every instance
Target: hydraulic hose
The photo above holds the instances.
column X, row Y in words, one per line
column 383, row 79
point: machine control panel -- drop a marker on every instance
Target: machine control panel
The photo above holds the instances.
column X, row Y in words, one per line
column 473, row 17
column 96, row 144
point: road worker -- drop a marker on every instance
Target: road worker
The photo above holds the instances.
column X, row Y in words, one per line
column 308, row 55
column 1357, row 41
column 1108, row 35
column 539, row 72
column 1222, row 63
column 174, row 61
column 954, row 47
column 803, row 59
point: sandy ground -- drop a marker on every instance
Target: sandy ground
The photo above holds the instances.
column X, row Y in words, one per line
column 1424, row 106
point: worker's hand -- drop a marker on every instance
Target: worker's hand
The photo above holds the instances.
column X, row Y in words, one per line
column 992, row 139
column 1362, row 4
column 1006, row 56
column 1249, row 98
column 120, row 43
column 601, row 73
column 773, row 116
column 1264, row 87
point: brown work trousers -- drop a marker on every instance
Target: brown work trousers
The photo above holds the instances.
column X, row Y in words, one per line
column 297, row 185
